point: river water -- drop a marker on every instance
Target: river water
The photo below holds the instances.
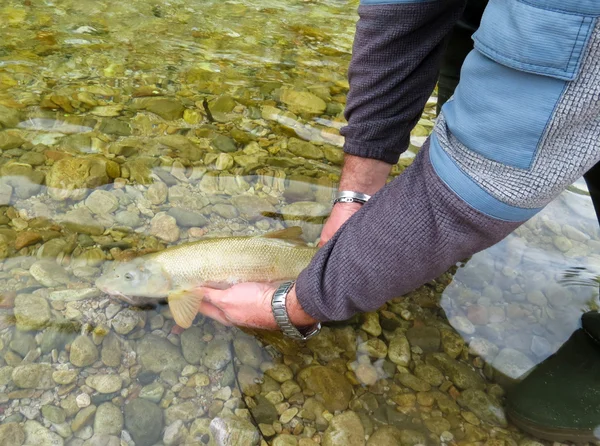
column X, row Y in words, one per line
column 128, row 127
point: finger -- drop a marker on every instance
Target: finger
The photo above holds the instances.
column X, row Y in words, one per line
column 213, row 312
column 211, row 295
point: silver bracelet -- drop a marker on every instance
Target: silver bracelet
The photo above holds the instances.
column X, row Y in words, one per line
column 348, row 196
column 281, row 314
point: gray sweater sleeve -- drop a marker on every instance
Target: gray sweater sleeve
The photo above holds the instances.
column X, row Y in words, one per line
column 395, row 61
column 409, row 233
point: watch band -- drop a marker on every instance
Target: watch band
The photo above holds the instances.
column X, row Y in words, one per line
column 348, row 196
column 281, row 315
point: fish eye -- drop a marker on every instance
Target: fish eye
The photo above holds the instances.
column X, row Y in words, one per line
column 129, row 276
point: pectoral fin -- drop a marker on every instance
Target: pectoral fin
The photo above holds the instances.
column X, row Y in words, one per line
column 184, row 306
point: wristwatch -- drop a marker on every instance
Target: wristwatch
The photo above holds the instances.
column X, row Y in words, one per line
column 282, row 318
column 348, row 196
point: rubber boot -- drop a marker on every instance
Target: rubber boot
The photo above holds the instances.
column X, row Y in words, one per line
column 560, row 399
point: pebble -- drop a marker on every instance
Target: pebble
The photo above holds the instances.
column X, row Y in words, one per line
column 157, row 193
column 288, row 415
column 345, row 429
column 37, row 434
column 125, row 321
column 230, row 430
column 108, row 420
column 83, row 352
column 217, row 354
column 399, row 350
column 83, row 400
column 105, row 383
column 164, row 227
column 101, row 202
column 48, row 273
column 144, row 421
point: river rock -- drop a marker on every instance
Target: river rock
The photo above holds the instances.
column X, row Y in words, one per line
column 223, row 143
column 217, row 354
column 105, row 383
column 11, row 434
column 483, row 405
column 36, row 434
column 175, row 433
column 48, row 273
column 31, row 312
column 248, row 351
column 164, row 227
column 330, row 387
column 427, row 338
column 233, row 431
column 22, row 342
column 192, row 345
column 111, row 351
column 9, row 117
column 108, row 420
column 251, row 207
column 33, row 376
column 386, row 436
column 187, row 219
column 71, row 178
column 102, row 202
column 83, row 352
column 125, row 321
column 128, row 219
column 157, row 193
column 144, row 420
column 345, row 429
column 167, row 108
column 54, row 414
column 157, row 354
column 10, row 140
column 304, row 149
column 302, row 101
column 459, row 373
column 399, row 350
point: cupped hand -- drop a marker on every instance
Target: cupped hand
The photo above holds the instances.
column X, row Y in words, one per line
column 339, row 214
column 245, row 304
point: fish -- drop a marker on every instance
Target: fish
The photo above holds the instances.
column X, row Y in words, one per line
column 177, row 273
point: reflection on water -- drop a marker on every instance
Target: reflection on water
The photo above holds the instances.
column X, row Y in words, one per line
column 127, row 127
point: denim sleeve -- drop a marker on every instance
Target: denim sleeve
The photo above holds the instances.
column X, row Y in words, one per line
column 397, row 51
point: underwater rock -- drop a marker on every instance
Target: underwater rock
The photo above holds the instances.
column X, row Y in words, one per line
column 345, row 429
column 304, row 149
column 302, row 101
column 108, row 420
column 33, row 376
column 484, row 406
column 83, row 352
column 71, row 178
column 233, row 431
column 144, row 420
column 330, row 387
column 157, row 354
column 37, row 434
column 31, row 312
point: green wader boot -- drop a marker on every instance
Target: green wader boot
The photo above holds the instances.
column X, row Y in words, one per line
column 560, row 399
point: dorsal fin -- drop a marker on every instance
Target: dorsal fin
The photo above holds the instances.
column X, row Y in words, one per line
column 291, row 234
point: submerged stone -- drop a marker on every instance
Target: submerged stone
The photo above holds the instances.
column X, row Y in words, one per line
column 330, row 387
column 144, row 420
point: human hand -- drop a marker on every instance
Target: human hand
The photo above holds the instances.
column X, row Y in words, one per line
column 339, row 214
column 249, row 305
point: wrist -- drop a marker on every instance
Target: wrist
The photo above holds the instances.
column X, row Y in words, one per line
column 364, row 175
column 297, row 315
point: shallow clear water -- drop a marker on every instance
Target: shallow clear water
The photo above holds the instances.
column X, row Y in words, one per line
column 127, row 127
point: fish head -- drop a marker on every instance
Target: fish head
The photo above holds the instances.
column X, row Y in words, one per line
column 139, row 277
